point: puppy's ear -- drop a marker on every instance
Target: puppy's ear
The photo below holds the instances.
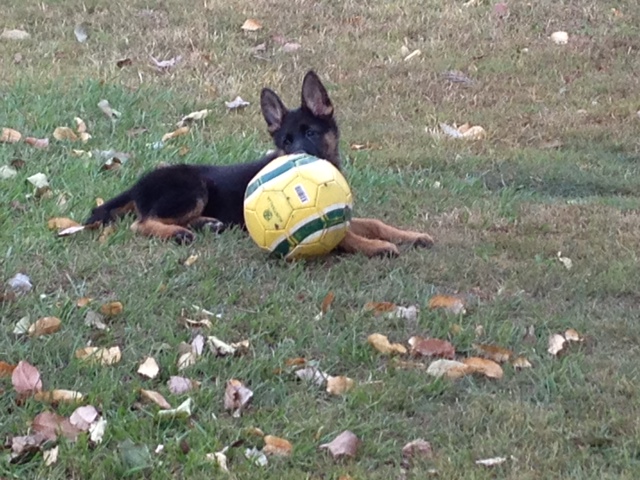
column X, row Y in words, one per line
column 273, row 110
column 315, row 97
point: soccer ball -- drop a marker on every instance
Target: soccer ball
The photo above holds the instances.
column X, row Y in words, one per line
column 298, row 206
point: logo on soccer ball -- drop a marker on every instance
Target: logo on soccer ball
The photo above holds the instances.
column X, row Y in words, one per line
column 267, row 214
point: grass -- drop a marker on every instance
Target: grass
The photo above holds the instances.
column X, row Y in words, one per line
column 505, row 207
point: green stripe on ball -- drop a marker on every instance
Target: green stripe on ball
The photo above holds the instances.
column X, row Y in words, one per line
column 302, row 159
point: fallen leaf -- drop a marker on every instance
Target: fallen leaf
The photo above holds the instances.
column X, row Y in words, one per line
column 556, row 344
column 448, row 368
column 255, row 455
column 70, row 231
column 345, row 444
column 312, row 374
column 39, row 180
column 193, row 117
column 566, row 261
column 50, row 456
column 180, row 385
column 382, row 344
column 26, row 378
column 413, row 54
column 65, row 133
column 6, row 369
column 37, row 142
column 83, row 417
column 164, row 65
column 491, row 462
column 418, row 448
column 22, row 326
column 291, row 47
column 20, row 283
column 105, row 356
column 431, row 347
column 236, row 397
column 108, row 111
column 572, row 335
column 155, row 397
column 9, row 135
column 14, row 35
column 97, row 429
column 23, row 446
column 44, row 326
column 111, row 309
column 408, row 365
column 327, row 302
column 191, row 260
column 277, row 446
column 251, row 25
column 58, row 223
column 81, row 127
column 106, row 233
column 294, row 362
column 236, row 103
column 406, row 313
column 181, row 411
column 149, row 368
column 497, row 354
column 51, row 425
column 218, row 347
column 486, row 367
column 220, row 458
column 80, row 31
column 521, row 362
column 378, row 308
column 450, row 304
column 95, row 320
column 7, row 172
column 560, row 38
column 176, row 133
column 339, row 385
column 124, row 62
column 59, row 396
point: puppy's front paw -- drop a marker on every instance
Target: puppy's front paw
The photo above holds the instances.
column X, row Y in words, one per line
column 214, row 226
column 389, row 250
column 423, row 241
column 184, row 237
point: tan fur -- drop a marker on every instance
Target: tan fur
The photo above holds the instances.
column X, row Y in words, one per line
column 157, row 227
column 375, row 238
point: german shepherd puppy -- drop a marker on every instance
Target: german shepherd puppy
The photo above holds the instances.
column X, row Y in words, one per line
column 171, row 202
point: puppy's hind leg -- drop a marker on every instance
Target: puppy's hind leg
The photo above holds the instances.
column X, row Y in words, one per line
column 375, row 229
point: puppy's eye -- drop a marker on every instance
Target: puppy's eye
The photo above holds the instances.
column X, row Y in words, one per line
column 311, row 133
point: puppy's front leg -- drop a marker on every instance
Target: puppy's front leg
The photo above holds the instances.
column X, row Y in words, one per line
column 375, row 229
column 354, row 243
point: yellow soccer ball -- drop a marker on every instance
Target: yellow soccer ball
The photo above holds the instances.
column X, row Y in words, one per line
column 298, row 206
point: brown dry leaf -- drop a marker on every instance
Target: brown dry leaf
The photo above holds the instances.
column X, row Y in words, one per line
column 556, row 344
column 418, row 448
column 149, row 368
column 180, row 385
column 44, row 326
column 105, row 356
column 26, row 378
column 251, row 25
column 492, row 352
column 155, row 397
column 277, row 446
column 187, row 359
column 9, row 135
column 83, row 417
column 6, row 369
column 59, row 396
column 106, row 233
column 37, row 142
column 236, row 397
column 51, row 425
column 378, row 308
column 486, row 367
column 81, row 127
column 58, row 223
column 192, row 117
column 124, row 62
column 520, row 363
column 191, row 260
column 111, row 309
column 382, row 344
column 176, row 133
column 64, row 133
column 572, row 335
column 449, row 368
column 449, row 303
column 294, row 362
column 345, row 444
column 431, row 347
column 339, row 385
column 327, row 302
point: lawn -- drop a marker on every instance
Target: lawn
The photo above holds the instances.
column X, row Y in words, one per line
column 555, row 176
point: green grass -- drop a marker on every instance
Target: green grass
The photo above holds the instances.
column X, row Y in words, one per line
column 505, row 207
